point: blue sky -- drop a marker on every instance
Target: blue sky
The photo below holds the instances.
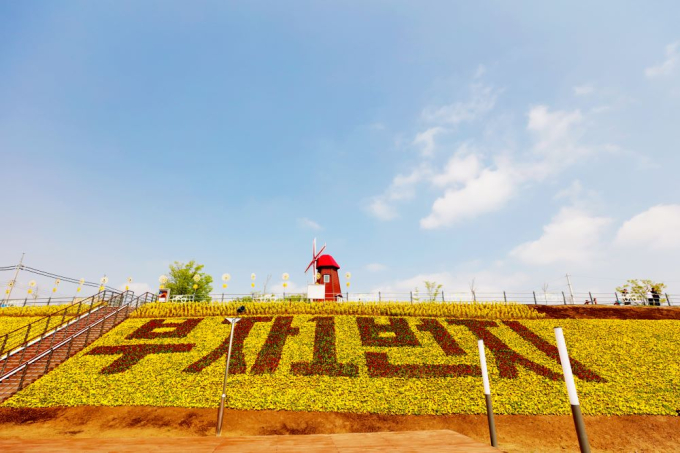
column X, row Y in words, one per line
column 509, row 143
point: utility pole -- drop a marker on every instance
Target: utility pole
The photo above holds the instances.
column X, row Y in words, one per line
column 571, row 290
column 14, row 280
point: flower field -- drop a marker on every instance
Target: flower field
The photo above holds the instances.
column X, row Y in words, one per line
column 10, row 323
column 372, row 364
column 43, row 310
column 478, row 310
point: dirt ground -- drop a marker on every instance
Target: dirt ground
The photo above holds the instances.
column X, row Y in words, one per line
column 516, row 433
column 608, row 312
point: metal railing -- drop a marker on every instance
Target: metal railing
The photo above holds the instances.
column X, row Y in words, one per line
column 123, row 303
column 36, row 330
column 533, row 297
column 40, row 302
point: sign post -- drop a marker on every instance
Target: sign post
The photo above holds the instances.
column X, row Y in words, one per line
column 571, row 389
column 487, row 394
column 220, row 413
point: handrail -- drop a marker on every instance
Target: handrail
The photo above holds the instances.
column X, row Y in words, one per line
column 56, row 313
column 123, row 306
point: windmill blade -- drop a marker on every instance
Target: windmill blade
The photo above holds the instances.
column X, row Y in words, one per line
column 310, row 265
column 316, row 257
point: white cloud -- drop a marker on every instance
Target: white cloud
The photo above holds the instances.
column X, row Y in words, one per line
column 381, row 209
column 583, row 90
column 482, row 100
column 556, row 137
column 658, row 228
column 425, row 140
column 402, row 188
column 556, row 134
column 571, row 193
column 377, row 126
column 307, row 223
column 487, row 192
column 137, row 288
column 573, row 236
column 456, row 284
column 292, row 288
column 669, row 65
column 375, row 267
column 463, row 166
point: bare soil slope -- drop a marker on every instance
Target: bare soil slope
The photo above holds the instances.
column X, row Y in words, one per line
column 515, row 433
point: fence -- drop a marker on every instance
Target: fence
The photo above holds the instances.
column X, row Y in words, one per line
column 40, row 302
column 53, row 348
column 22, row 337
column 534, row 297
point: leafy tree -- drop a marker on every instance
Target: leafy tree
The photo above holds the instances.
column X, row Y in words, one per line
column 181, row 280
column 638, row 289
column 433, row 290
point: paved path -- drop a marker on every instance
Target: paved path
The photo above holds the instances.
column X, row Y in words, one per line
column 403, row 441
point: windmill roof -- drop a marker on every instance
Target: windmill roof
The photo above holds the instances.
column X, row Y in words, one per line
column 326, row 261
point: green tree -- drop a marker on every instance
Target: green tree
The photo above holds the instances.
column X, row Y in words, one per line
column 181, row 280
column 433, row 290
column 638, row 290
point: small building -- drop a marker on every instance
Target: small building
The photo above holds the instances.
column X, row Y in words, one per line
column 327, row 267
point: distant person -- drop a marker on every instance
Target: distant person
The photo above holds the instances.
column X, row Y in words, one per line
column 625, row 297
column 594, row 300
column 650, row 299
column 656, row 297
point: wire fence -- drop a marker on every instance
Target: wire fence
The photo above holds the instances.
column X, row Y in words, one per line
column 40, row 302
column 534, row 298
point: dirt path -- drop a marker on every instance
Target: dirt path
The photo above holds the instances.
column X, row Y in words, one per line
column 516, row 433
column 404, row 441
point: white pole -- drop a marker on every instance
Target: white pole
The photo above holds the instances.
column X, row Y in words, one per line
column 571, row 390
column 14, row 281
column 487, row 394
column 571, row 290
column 220, row 413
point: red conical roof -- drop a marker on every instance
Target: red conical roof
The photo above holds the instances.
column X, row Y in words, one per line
column 326, row 261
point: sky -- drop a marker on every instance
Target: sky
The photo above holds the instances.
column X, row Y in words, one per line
column 505, row 143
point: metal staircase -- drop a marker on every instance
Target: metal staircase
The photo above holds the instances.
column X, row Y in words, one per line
column 32, row 351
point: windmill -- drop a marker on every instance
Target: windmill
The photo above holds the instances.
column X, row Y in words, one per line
column 315, row 258
column 326, row 284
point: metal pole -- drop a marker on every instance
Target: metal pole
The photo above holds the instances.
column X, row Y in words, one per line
column 591, row 297
column 443, row 299
column 571, row 290
column 379, row 297
column 535, row 301
column 505, row 297
column 14, row 280
column 668, row 299
column 487, row 394
column 571, row 390
column 616, row 294
column 411, row 296
column 564, row 298
column 220, row 413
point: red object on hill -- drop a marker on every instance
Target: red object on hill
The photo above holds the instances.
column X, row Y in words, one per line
column 327, row 261
column 328, row 268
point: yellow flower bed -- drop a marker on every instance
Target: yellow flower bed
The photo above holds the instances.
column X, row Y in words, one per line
column 43, row 310
column 635, row 361
column 479, row 310
column 11, row 323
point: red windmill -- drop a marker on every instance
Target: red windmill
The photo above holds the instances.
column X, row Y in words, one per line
column 327, row 269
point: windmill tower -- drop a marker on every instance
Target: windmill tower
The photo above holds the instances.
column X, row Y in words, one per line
column 325, row 270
